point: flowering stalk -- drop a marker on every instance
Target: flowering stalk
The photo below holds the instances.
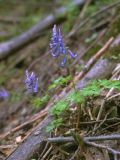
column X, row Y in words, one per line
column 58, row 48
column 31, row 82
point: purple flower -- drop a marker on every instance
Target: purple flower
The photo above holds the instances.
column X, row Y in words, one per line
column 3, row 94
column 57, row 47
column 72, row 55
column 31, row 82
column 62, row 64
column 57, row 44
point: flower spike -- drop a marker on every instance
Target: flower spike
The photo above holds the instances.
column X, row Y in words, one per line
column 31, row 82
column 57, row 47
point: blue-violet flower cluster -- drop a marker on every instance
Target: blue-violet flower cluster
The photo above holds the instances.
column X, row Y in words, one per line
column 57, row 47
column 3, row 94
column 31, row 82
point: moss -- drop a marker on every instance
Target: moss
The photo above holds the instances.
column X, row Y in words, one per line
column 26, row 15
column 15, row 97
column 113, row 53
column 7, row 75
column 92, row 51
column 72, row 13
column 96, row 5
column 114, row 28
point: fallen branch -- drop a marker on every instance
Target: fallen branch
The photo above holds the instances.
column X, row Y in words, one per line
column 91, row 138
column 33, row 144
column 90, row 141
column 13, row 45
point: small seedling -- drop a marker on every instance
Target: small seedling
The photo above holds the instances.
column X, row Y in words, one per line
column 39, row 102
column 60, row 81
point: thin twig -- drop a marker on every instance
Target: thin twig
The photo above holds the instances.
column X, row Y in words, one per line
column 109, row 127
column 73, row 157
column 89, row 141
column 100, row 35
column 99, row 114
column 116, row 4
column 106, row 98
column 90, row 114
column 44, row 150
column 94, row 59
column 7, row 146
column 113, row 96
column 88, row 66
column 115, row 119
column 101, row 123
column 62, row 151
column 113, row 151
column 47, row 152
column 80, row 17
column 116, row 76
column 41, row 115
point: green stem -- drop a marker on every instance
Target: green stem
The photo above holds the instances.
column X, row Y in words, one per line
column 70, row 73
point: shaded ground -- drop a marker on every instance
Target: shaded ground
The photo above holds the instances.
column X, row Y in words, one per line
column 16, row 17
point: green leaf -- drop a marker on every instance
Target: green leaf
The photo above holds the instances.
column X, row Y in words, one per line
column 59, row 107
column 39, row 101
column 110, row 84
column 91, row 91
column 54, row 124
column 75, row 97
column 60, row 81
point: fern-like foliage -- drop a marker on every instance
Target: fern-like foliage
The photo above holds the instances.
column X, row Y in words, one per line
column 92, row 89
column 78, row 96
column 109, row 84
column 59, row 108
column 54, row 124
column 38, row 102
column 75, row 97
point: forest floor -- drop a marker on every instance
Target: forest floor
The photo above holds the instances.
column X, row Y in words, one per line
column 80, row 101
